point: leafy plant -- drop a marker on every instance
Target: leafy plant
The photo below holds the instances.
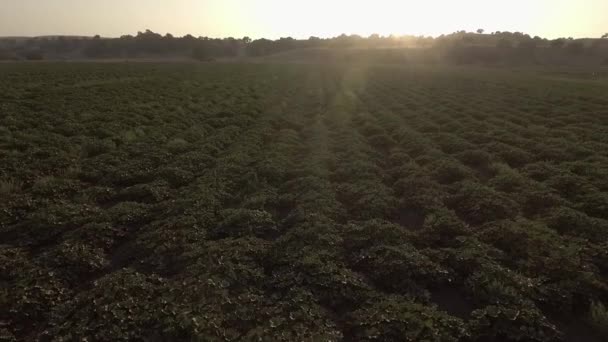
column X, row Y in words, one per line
column 598, row 317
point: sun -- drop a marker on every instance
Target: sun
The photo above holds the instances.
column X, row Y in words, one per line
column 327, row 18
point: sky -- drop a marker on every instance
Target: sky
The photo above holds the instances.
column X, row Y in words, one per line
column 301, row 18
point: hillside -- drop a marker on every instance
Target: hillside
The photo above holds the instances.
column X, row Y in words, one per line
column 498, row 48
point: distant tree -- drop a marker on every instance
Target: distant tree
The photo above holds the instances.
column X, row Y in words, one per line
column 246, row 40
column 34, row 55
column 7, row 55
column 480, row 31
column 260, row 47
column 423, row 41
column 468, row 39
column 200, row 53
column 595, row 48
column 526, row 50
column 605, row 35
column 504, row 43
column 529, row 44
column 558, row 43
column 95, row 47
column 576, row 48
column 62, row 45
column 148, row 34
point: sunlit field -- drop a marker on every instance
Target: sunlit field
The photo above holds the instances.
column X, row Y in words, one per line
column 224, row 202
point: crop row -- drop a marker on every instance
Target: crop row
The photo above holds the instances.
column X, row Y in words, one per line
column 237, row 202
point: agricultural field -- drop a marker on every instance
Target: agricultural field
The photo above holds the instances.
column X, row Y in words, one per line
column 302, row 202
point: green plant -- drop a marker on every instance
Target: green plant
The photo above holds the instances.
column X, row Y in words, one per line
column 396, row 319
column 478, row 204
column 10, row 186
column 177, row 145
column 598, row 317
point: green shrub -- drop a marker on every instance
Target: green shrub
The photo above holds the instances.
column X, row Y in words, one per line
column 367, row 200
column 396, row 319
column 398, row 158
column 130, row 213
column 479, row 204
column 418, row 191
column 598, row 317
column 512, row 323
column 573, row 222
column 594, row 204
column 511, row 155
column 77, row 260
column 176, row 176
column 177, row 145
column 244, row 222
column 474, row 158
column 541, row 171
column 335, row 285
column 97, row 147
column 447, row 172
column 124, row 305
column 451, row 143
column 10, row 187
column 538, row 200
column 441, row 227
column 131, row 135
column 507, row 179
column 365, row 234
column 402, row 269
column 143, row 193
column 55, row 187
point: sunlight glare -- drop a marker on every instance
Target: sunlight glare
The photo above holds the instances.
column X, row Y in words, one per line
column 386, row 17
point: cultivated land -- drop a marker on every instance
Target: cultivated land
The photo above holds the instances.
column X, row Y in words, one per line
column 222, row 202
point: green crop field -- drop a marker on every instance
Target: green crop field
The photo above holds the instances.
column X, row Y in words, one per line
column 302, row 202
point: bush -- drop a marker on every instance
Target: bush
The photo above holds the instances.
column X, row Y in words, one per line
column 420, row 192
column 474, row 158
column 537, row 200
column 177, row 145
column 572, row 222
column 143, row 193
column 10, row 187
column 401, row 269
column 97, row 147
column 478, row 204
column 130, row 213
column 441, row 227
column 33, row 55
column 598, row 317
column 367, row 200
column 512, row 323
column 397, row 319
column 447, row 172
column 513, row 156
column 507, row 179
column 77, row 260
column 125, row 305
column 244, row 222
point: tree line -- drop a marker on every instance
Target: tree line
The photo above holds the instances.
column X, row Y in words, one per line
column 460, row 46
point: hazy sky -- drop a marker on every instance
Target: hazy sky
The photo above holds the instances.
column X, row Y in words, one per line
column 301, row 18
